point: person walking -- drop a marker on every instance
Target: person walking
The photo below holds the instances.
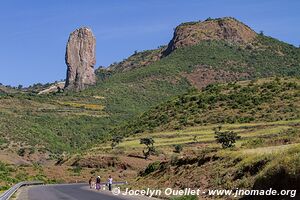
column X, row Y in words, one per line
column 91, row 182
column 98, row 181
column 110, row 182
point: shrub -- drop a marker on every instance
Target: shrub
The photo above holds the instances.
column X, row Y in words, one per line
column 150, row 149
column 151, row 168
column 174, row 160
column 116, row 140
column 226, row 138
column 178, row 148
column 21, row 152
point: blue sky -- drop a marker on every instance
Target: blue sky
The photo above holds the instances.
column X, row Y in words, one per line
column 34, row 33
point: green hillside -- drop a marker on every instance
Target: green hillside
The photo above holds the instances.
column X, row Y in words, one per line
column 74, row 121
column 264, row 100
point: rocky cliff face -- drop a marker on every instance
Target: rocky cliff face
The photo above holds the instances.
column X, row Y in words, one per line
column 80, row 60
column 227, row 28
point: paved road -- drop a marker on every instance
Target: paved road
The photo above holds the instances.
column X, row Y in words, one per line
column 69, row 192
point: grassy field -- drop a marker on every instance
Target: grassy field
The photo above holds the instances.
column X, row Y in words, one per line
column 205, row 135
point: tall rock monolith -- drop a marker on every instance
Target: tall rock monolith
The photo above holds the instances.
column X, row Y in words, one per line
column 80, row 59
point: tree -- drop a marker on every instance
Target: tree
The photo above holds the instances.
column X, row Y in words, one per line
column 178, row 148
column 150, row 149
column 195, row 139
column 21, row 152
column 20, row 87
column 226, row 138
column 261, row 33
column 116, row 140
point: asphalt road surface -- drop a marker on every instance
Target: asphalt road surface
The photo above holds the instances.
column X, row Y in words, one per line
column 69, row 192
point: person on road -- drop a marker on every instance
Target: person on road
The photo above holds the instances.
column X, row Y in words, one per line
column 109, row 182
column 91, row 182
column 98, row 181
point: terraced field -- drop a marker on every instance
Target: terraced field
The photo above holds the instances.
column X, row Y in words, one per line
column 192, row 136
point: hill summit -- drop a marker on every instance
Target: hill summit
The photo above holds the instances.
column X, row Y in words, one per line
column 227, row 28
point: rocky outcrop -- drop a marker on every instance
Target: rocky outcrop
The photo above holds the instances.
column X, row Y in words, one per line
column 227, row 28
column 80, row 59
column 56, row 87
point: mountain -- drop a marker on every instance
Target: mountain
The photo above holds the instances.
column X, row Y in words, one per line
column 72, row 121
column 189, row 34
column 217, row 50
column 227, row 29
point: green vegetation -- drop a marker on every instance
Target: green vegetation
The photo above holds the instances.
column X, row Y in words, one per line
column 242, row 102
column 150, row 149
column 145, row 99
column 137, row 60
column 10, row 174
column 253, row 135
column 178, row 148
column 68, row 122
column 76, row 170
column 226, row 138
column 151, row 168
column 229, row 169
column 116, row 139
column 258, row 170
column 21, row 152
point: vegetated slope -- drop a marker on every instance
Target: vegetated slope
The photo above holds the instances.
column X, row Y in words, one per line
column 228, row 169
column 71, row 121
column 264, row 100
column 138, row 59
column 265, row 56
column 222, row 44
column 7, row 90
column 48, row 124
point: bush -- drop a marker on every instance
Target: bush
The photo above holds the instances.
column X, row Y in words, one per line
column 116, row 140
column 21, row 152
column 178, row 148
column 151, row 168
column 150, row 149
column 174, row 160
column 226, row 138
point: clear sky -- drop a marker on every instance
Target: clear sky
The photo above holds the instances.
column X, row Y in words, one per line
column 34, row 33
